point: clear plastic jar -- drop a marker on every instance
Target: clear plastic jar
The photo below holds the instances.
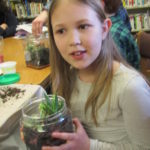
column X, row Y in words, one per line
column 37, row 131
column 36, row 51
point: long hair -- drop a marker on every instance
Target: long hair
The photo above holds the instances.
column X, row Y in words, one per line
column 63, row 78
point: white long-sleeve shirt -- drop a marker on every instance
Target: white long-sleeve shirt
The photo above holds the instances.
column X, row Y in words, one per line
column 127, row 126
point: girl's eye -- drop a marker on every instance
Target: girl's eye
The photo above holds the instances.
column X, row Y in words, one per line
column 84, row 26
column 60, row 31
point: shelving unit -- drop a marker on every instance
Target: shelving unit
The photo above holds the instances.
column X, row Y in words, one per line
column 27, row 10
column 137, row 7
column 139, row 13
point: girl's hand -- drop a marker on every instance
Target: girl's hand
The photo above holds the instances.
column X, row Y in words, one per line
column 75, row 141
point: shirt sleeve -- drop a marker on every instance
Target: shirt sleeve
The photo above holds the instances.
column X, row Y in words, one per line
column 129, row 48
column 99, row 145
column 126, row 43
column 132, row 51
column 135, row 105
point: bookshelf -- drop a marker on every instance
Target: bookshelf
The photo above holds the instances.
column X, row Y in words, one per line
column 139, row 13
column 26, row 10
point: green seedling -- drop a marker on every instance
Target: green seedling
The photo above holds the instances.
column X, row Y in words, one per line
column 50, row 106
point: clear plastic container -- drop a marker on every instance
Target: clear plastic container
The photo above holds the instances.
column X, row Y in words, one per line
column 8, row 67
column 36, row 51
column 37, row 131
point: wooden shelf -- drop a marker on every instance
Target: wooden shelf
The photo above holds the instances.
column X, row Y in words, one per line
column 28, row 17
column 137, row 7
column 15, row 1
column 147, row 30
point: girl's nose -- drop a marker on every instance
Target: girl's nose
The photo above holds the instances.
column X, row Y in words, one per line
column 74, row 38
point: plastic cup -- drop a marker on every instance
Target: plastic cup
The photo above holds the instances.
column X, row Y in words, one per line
column 8, row 67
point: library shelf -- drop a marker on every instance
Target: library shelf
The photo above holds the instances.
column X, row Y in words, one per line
column 137, row 7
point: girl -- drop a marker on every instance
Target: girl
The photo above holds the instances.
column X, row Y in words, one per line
column 109, row 97
column 8, row 21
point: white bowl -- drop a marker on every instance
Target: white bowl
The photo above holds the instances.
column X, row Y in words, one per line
column 8, row 67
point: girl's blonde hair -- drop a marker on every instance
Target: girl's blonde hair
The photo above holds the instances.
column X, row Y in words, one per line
column 63, row 78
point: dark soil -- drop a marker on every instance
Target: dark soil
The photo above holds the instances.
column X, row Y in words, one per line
column 35, row 140
column 39, row 59
column 6, row 93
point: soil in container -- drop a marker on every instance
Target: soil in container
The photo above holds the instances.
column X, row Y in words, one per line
column 35, row 139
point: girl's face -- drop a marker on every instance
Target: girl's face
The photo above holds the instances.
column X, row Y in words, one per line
column 78, row 33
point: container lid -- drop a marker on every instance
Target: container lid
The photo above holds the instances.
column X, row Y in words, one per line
column 9, row 78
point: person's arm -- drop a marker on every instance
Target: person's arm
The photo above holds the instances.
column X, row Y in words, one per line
column 132, row 51
column 126, row 44
column 39, row 21
column 122, row 12
column 135, row 105
column 11, row 23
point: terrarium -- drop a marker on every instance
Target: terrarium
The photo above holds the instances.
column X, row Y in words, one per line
column 43, row 116
column 36, row 51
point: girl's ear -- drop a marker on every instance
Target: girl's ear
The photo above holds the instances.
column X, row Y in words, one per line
column 106, row 27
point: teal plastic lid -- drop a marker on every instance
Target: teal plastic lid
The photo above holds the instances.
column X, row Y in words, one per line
column 9, row 78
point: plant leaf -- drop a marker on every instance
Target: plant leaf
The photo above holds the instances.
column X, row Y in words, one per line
column 56, row 102
column 47, row 99
column 50, row 106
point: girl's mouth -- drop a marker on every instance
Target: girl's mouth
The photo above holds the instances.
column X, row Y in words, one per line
column 78, row 55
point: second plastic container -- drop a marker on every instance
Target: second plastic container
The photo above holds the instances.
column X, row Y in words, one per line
column 36, row 51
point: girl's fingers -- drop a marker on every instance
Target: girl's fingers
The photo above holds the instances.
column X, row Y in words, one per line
column 63, row 135
column 76, row 121
column 77, row 124
column 73, row 139
column 62, row 147
column 69, row 136
column 49, row 148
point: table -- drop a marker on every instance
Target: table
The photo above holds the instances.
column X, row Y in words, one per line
column 14, row 51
